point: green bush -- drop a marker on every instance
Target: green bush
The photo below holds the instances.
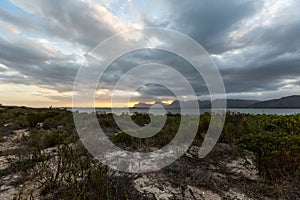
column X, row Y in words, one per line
column 277, row 153
column 34, row 118
column 52, row 139
column 228, row 134
column 123, row 138
column 34, row 139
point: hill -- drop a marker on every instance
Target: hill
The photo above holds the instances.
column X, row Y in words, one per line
column 284, row 102
column 231, row 103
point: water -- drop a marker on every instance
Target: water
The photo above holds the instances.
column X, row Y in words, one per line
column 256, row 111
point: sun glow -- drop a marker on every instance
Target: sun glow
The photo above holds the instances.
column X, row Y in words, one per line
column 103, row 104
column 167, row 102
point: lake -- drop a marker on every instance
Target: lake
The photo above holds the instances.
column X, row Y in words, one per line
column 255, row 111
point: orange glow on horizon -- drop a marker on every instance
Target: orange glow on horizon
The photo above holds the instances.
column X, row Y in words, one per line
column 149, row 102
column 167, row 102
column 115, row 105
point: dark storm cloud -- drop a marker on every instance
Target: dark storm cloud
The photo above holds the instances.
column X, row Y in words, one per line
column 128, row 61
column 209, row 22
column 272, row 58
column 263, row 75
column 59, row 77
column 72, row 21
column 282, row 38
column 155, row 90
column 22, row 52
column 272, row 52
column 261, row 59
column 32, row 63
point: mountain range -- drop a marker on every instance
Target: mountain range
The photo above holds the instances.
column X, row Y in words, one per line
column 284, row 102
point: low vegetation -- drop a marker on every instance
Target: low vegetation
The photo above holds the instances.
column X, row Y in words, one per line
column 52, row 156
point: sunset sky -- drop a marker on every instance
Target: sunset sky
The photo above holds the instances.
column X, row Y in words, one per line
column 43, row 43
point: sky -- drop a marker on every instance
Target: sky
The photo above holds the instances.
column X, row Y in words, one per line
column 43, row 43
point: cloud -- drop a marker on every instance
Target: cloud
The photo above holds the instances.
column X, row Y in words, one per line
column 209, row 22
column 269, row 75
column 13, row 22
column 255, row 44
column 27, row 52
column 77, row 22
column 129, row 61
column 30, row 62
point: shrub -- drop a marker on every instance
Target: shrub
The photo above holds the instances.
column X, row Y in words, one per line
column 277, row 153
column 123, row 138
column 228, row 134
column 52, row 139
column 34, row 118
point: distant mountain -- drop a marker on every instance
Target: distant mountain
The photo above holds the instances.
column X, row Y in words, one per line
column 284, row 102
column 145, row 105
column 238, row 103
column 231, row 103
column 188, row 104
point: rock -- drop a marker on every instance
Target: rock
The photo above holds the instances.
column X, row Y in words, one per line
column 145, row 186
column 244, row 166
column 163, row 190
column 196, row 193
column 233, row 194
